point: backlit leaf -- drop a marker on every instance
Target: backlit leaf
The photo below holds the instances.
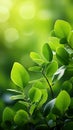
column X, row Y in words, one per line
column 62, row 28
column 62, row 55
column 35, row 94
column 70, row 39
column 19, row 75
column 62, row 101
column 47, row 52
column 52, row 68
column 36, row 58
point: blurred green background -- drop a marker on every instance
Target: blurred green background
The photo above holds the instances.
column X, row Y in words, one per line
column 25, row 26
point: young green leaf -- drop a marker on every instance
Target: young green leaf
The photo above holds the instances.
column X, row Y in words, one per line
column 32, row 108
column 62, row 28
column 35, row 94
column 62, row 101
column 21, row 117
column 13, row 90
column 44, row 97
column 62, row 55
column 36, row 58
column 16, row 97
column 8, row 114
column 47, row 52
column 54, row 43
column 19, row 75
column 52, row 68
column 70, row 39
column 35, row 69
column 38, row 85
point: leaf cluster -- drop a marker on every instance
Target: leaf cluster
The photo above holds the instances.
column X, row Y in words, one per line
column 47, row 102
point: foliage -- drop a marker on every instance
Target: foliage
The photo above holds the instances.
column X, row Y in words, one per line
column 47, row 102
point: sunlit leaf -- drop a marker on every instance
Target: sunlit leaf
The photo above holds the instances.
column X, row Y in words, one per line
column 36, row 58
column 13, row 90
column 44, row 97
column 52, row 68
column 35, row 94
column 62, row 28
column 47, row 52
column 16, row 97
column 62, row 55
column 54, row 43
column 32, row 108
column 62, row 101
column 70, row 39
column 35, row 69
column 19, row 75
column 39, row 85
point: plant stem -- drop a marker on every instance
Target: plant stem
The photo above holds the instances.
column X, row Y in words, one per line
column 48, row 84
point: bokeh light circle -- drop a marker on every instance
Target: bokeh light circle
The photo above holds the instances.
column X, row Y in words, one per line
column 11, row 35
column 27, row 10
column 4, row 14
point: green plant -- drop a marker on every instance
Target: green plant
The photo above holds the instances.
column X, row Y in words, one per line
column 45, row 103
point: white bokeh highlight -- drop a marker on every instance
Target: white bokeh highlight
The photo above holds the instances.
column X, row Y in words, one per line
column 27, row 10
column 11, row 35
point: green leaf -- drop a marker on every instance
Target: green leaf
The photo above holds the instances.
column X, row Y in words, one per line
column 48, row 107
column 62, row 28
column 54, row 43
column 47, row 52
column 36, row 58
column 71, row 104
column 26, row 104
column 62, row 101
column 35, row 94
column 16, row 97
column 32, row 108
column 19, row 75
column 52, row 68
column 35, row 69
column 8, row 114
column 38, row 85
column 67, row 86
column 44, row 97
column 21, row 117
column 70, row 39
column 13, row 90
column 62, row 55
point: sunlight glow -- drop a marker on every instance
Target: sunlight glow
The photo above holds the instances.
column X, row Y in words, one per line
column 27, row 10
column 7, row 3
column 4, row 14
column 44, row 14
column 11, row 35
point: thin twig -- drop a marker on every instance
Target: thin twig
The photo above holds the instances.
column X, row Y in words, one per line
column 48, row 84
